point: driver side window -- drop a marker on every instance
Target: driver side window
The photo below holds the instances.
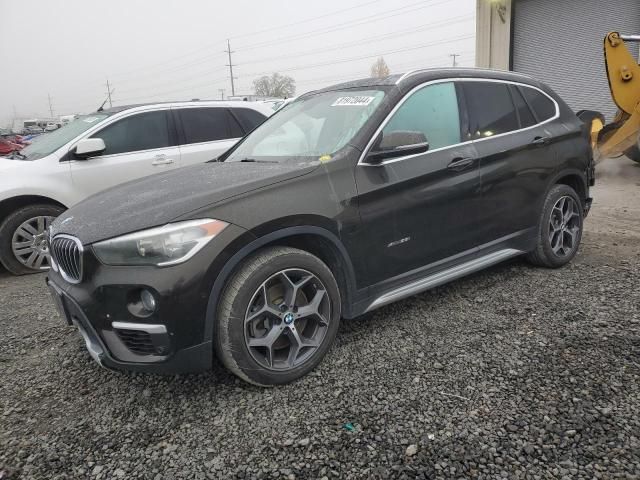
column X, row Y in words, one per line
column 144, row 131
column 432, row 111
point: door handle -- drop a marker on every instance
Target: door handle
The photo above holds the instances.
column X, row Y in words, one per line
column 540, row 141
column 459, row 164
column 162, row 160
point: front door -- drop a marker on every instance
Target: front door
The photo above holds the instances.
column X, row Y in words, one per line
column 138, row 145
column 422, row 208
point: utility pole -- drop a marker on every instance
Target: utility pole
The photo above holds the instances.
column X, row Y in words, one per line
column 109, row 92
column 230, row 65
column 50, row 105
column 454, row 56
column 221, row 90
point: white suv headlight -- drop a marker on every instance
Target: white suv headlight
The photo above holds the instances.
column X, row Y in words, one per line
column 161, row 246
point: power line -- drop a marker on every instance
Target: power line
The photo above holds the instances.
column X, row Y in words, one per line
column 351, row 23
column 362, row 57
column 367, row 40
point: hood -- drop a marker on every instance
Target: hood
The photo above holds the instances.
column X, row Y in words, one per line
column 159, row 199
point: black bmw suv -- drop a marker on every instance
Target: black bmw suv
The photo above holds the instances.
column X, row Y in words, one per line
column 347, row 199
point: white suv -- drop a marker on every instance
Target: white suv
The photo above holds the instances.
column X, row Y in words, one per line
column 103, row 149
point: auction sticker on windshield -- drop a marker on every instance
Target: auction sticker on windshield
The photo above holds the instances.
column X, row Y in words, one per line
column 356, row 101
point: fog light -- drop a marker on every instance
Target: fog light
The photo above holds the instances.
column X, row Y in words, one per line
column 148, row 301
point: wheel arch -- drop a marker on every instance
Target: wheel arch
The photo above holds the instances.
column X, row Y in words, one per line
column 316, row 240
column 10, row 205
column 575, row 180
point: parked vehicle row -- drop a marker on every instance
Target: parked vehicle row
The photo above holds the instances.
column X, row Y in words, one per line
column 349, row 198
column 100, row 150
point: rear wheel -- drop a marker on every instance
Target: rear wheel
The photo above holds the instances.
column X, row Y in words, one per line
column 559, row 228
column 277, row 317
column 23, row 243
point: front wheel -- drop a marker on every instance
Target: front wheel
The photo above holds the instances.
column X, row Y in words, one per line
column 559, row 228
column 23, row 243
column 277, row 317
column 634, row 153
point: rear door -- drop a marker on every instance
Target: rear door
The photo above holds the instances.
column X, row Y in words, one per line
column 206, row 133
column 516, row 155
column 422, row 208
column 138, row 145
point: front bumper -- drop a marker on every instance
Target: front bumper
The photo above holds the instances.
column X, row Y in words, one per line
column 175, row 338
column 109, row 351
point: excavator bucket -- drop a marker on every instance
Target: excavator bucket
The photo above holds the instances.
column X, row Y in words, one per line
column 623, row 73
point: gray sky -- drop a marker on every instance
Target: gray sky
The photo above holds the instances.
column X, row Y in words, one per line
column 153, row 50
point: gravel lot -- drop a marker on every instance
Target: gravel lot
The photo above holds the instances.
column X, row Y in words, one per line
column 515, row 372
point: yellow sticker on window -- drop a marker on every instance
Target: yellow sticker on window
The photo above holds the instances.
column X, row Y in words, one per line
column 325, row 158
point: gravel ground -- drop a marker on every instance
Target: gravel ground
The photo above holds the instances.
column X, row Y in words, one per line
column 515, row 372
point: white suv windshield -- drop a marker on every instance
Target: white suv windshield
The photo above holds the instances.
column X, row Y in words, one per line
column 48, row 143
column 311, row 127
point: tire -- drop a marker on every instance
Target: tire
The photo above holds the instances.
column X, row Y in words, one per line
column 559, row 228
column 9, row 232
column 244, row 297
column 633, row 153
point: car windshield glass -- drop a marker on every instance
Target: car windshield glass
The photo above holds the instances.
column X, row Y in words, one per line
column 48, row 143
column 310, row 127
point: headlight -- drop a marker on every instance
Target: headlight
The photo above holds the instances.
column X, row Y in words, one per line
column 162, row 246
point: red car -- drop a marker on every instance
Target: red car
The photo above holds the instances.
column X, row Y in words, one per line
column 6, row 147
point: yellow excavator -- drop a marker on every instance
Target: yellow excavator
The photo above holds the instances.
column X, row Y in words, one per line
column 622, row 136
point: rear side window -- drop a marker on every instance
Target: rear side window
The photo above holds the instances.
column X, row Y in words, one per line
column 524, row 112
column 249, row 118
column 432, row 110
column 491, row 110
column 542, row 105
column 204, row 124
column 144, row 131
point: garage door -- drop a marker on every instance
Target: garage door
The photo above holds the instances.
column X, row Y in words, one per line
column 560, row 43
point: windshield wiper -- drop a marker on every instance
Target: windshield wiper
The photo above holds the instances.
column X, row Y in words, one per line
column 16, row 153
column 253, row 160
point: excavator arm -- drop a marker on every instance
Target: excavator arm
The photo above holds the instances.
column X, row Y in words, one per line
column 623, row 72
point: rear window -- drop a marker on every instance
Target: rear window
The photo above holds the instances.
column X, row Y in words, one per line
column 524, row 112
column 491, row 110
column 542, row 105
column 249, row 118
column 204, row 124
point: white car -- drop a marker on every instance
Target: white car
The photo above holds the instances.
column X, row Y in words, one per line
column 103, row 149
column 51, row 127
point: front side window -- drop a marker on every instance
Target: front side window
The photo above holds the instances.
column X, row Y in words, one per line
column 314, row 126
column 432, row 111
column 143, row 131
column 491, row 110
column 204, row 124
column 542, row 105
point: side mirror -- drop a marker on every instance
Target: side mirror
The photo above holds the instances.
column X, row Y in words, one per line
column 89, row 147
column 397, row 144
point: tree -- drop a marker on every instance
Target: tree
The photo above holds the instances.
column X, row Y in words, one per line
column 276, row 85
column 380, row 69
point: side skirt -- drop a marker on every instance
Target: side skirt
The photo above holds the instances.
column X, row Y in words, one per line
column 443, row 277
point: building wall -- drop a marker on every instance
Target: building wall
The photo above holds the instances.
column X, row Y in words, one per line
column 493, row 34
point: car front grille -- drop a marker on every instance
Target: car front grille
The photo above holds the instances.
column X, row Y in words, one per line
column 137, row 341
column 66, row 252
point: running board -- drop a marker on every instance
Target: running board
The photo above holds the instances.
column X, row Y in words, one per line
column 443, row 277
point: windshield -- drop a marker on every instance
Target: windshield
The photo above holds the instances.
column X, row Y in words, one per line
column 48, row 143
column 310, row 128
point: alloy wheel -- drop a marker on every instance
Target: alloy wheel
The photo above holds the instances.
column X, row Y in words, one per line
column 287, row 319
column 564, row 226
column 29, row 243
